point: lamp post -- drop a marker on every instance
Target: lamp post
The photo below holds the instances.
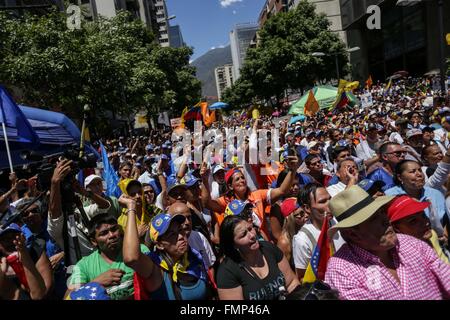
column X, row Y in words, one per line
column 335, row 54
column 440, row 3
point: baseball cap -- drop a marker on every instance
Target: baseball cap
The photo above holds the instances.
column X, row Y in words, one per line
column 413, row 132
column 217, row 168
column 288, row 135
column 89, row 291
column 91, row 178
column 404, row 206
column 288, row 206
column 161, row 223
column 428, row 129
column 164, row 156
column 148, row 147
column 13, row 227
column 236, row 207
column 190, row 180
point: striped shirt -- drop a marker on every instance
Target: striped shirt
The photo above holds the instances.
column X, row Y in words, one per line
column 360, row 275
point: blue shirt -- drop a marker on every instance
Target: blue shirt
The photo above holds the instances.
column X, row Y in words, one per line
column 428, row 194
column 381, row 174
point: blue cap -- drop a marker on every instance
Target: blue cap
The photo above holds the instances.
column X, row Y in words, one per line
column 190, row 180
column 164, row 156
column 236, row 207
column 342, row 143
column 148, row 147
column 90, row 291
column 161, row 223
column 11, row 228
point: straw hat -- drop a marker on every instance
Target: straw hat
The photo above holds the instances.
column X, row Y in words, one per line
column 353, row 206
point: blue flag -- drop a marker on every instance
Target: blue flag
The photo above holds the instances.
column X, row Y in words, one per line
column 110, row 176
column 18, row 128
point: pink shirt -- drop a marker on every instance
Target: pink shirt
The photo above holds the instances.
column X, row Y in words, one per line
column 360, row 275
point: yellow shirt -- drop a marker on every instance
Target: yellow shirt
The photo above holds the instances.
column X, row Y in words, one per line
column 122, row 220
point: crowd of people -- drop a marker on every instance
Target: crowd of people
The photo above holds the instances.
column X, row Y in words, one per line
column 377, row 175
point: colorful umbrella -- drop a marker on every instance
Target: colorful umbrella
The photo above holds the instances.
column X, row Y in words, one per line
column 218, row 105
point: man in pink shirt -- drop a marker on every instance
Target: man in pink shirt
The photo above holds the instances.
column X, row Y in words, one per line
column 376, row 263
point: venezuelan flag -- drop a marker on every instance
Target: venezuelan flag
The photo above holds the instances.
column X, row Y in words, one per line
column 321, row 254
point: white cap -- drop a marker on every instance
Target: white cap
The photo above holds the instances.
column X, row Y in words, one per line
column 217, row 168
column 91, row 178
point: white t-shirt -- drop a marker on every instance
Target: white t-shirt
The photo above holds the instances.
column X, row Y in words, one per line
column 200, row 243
column 302, row 248
column 336, row 188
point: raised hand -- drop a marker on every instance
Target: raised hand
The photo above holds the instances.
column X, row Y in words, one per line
column 62, row 169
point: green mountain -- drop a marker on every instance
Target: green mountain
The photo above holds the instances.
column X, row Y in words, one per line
column 206, row 64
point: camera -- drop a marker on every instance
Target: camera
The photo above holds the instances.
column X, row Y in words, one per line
column 44, row 166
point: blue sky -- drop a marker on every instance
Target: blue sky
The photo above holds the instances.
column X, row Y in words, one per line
column 207, row 23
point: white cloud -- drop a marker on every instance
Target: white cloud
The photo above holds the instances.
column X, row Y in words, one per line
column 234, row 12
column 221, row 46
column 226, row 3
column 212, row 48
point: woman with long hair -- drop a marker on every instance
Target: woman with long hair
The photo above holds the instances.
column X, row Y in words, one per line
column 251, row 269
column 239, row 190
column 296, row 217
column 410, row 180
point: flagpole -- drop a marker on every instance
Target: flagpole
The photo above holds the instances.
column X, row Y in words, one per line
column 83, row 128
column 7, row 147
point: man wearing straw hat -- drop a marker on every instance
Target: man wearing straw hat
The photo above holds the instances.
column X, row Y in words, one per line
column 376, row 263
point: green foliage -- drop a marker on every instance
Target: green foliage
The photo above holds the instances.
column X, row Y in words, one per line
column 111, row 64
column 282, row 58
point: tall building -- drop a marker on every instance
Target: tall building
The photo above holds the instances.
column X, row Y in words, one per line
column 224, row 78
column 331, row 8
column 145, row 10
column 240, row 39
column 272, row 7
column 175, row 36
column 162, row 19
column 407, row 40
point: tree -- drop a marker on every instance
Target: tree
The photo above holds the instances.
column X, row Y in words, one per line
column 282, row 58
column 113, row 65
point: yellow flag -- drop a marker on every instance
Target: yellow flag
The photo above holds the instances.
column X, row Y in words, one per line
column 311, row 105
column 350, row 86
column 342, row 84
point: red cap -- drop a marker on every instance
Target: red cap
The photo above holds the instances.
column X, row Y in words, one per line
column 405, row 206
column 288, row 206
column 230, row 173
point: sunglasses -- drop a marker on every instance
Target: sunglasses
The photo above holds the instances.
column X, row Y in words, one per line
column 397, row 153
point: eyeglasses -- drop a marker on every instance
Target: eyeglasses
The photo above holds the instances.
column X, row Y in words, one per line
column 397, row 153
column 317, row 288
